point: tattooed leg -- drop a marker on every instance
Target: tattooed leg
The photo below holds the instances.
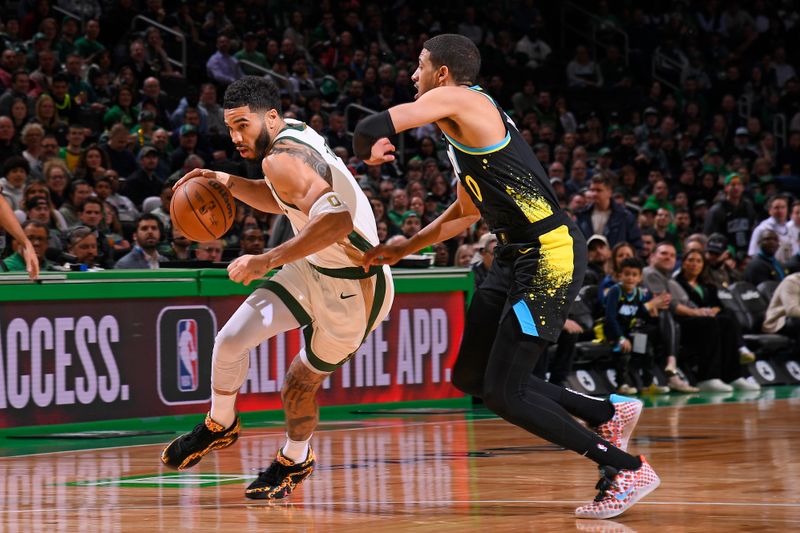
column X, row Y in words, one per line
column 299, row 396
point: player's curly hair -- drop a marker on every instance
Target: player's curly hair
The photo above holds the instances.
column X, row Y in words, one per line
column 261, row 94
column 458, row 53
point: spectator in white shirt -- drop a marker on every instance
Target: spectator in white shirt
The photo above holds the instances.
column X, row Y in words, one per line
column 778, row 209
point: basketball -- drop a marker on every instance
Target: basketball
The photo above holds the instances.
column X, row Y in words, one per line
column 202, row 209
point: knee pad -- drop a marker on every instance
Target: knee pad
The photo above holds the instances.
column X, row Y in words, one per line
column 230, row 362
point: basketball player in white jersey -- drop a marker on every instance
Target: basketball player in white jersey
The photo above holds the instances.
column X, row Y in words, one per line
column 321, row 285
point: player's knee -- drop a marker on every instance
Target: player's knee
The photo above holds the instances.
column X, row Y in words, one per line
column 466, row 381
column 229, row 362
column 228, row 346
column 496, row 399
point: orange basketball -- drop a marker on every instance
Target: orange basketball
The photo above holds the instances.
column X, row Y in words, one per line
column 202, row 209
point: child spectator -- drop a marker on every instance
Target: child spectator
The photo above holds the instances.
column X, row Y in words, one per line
column 631, row 325
column 15, row 175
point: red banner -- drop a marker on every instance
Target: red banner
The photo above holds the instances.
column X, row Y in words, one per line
column 72, row 361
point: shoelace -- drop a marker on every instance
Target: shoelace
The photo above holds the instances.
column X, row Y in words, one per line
column 195, row 434
column 272, row 475
column 606, row 482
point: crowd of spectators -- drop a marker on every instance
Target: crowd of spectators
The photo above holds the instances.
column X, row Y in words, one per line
column 688, row 131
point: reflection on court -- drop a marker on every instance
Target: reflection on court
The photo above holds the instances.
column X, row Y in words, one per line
column 730, row 466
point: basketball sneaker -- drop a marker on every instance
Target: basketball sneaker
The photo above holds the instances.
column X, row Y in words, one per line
column 620, row 490
column 281, row 478
column 187, row 450
column 619, row 429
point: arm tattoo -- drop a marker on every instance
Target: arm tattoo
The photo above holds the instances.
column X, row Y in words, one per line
column 309, row 156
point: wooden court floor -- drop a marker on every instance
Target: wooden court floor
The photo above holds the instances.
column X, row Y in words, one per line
column 724, row 467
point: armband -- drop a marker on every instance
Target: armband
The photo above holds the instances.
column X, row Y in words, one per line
column 370, row 129
column 330, row 202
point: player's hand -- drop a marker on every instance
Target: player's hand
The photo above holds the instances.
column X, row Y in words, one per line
column 31, row 260
column 625, row 346
column 383, row 255
column 222, row 177
column 381, row 152
column 249, row 268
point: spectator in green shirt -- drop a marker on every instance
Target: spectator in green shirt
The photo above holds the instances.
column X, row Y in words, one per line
column 249, row 53
column 88, row 45
column 660, row 197
column 66, row 43
column 38, row 235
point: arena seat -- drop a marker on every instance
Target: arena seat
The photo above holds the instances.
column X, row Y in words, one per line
column 767, row 289
column 753, row 307
column 586, row 311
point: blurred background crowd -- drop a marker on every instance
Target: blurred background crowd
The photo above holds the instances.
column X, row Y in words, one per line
column 655, row 122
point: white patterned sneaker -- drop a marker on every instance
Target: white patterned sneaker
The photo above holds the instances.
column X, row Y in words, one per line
column 620, row 490
column 619, row 429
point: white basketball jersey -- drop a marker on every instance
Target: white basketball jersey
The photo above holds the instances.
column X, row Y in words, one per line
column 349, row 251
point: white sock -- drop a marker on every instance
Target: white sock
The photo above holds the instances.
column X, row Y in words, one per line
column 744, row 350
column 223, row 408
column 296, row 450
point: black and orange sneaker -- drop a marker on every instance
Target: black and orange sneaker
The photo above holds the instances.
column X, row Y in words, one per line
column 280, row 479
column 187, row 450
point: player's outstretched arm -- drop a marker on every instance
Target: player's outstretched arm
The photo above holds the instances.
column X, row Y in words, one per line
column 9, row 222
column 255, row 193
column 300, row 177
column 369, row 139
column 460, row 215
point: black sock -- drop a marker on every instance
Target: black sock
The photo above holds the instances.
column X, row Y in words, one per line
column 616, row 458
column 591, row 410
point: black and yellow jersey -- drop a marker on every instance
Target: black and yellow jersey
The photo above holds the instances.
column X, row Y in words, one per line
column 540, row 258
column 506, row 181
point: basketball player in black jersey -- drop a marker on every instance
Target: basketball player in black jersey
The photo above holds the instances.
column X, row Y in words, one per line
column 539, row 265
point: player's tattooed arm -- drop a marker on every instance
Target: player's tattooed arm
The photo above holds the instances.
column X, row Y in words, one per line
column 307, row 155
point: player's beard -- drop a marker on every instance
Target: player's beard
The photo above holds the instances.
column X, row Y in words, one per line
column 262, row 142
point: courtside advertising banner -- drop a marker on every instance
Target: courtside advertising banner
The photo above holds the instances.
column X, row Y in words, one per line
column 73, row 361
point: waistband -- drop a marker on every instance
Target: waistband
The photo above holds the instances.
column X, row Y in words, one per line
column 348, row 272
column 532, row 231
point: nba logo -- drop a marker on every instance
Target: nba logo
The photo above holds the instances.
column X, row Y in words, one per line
column 188, row 375
column 185, row 341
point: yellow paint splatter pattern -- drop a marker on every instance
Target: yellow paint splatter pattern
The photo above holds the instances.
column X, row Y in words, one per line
column 553, row 277
column 533, row 206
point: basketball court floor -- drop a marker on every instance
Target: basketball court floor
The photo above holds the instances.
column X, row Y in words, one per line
column 727, row 463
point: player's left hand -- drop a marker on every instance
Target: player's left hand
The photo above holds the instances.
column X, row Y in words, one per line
column 31, row 260
column 383, row 255
column 381, row 152
column 249, row 268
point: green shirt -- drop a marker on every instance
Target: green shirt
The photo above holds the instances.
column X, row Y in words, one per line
column 655, row 205
column 117, row 114
column 254, row 57
column 16, row 263
column 87, row 48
